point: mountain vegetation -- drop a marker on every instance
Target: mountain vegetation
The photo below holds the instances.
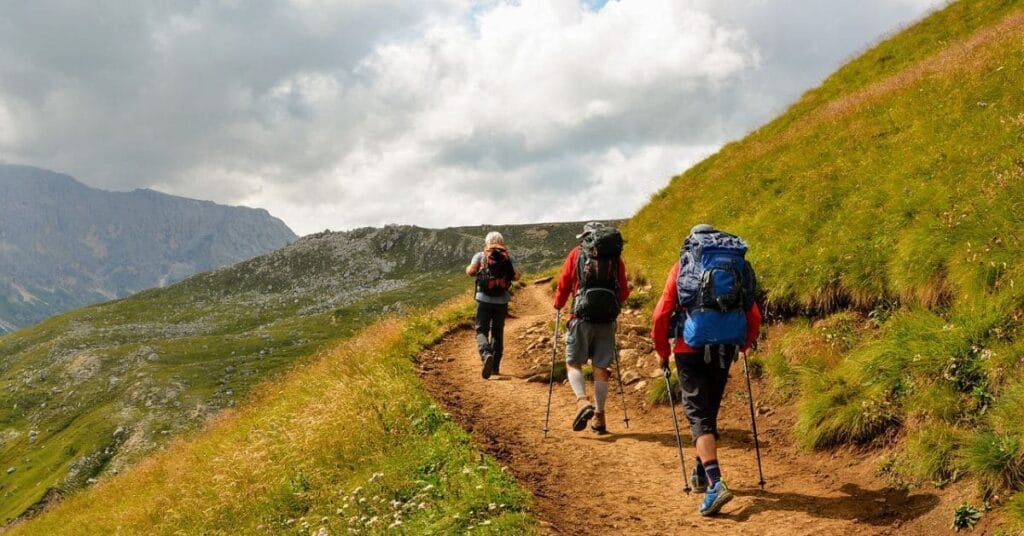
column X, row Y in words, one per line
column 884, row 213
column 348, row 443
column 91, row 391
column 64, row 245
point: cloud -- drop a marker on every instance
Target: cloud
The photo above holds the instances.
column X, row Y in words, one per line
column 343, row 114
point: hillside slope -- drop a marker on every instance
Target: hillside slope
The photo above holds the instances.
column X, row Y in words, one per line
column 64, row 245
column 885, row 212
column 88, row 392
column 346, row 443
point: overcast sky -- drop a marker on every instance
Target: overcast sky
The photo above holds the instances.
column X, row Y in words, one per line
column 365, row 112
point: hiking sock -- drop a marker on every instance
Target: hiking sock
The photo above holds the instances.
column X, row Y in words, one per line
column 577, row 381
column 713, row 472
column 600, row 394
column 699, row 469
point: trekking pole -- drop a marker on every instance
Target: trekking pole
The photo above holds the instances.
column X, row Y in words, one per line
column 622, row 390
column 551, row 375
column 753, row 422
column 675, row 423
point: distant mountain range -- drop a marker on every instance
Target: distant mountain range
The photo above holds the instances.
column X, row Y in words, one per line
column 64, row 244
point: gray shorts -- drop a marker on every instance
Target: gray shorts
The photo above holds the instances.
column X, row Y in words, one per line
column 587, row 341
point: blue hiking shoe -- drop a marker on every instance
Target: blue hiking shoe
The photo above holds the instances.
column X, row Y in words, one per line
column 715, row 498
column 698, row 482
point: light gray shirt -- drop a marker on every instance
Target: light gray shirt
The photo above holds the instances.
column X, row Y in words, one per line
column 480, row 296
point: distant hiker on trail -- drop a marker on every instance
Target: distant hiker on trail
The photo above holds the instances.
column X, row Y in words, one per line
column 709, row 307
column 494, row 269
column 595, row 276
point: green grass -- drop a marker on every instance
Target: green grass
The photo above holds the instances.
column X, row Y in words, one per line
column 347, row 441
column 885, row 213
column 212, row 368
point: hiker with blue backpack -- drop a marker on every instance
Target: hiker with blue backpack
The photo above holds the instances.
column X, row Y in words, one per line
column 709, row 307
column 595, row 276
column 494, row 270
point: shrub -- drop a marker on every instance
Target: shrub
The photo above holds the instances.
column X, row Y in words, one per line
column 658, row 394
column 997, row 460
column 931, row 453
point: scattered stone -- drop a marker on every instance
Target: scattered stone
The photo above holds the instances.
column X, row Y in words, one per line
column 640, row 386
column 630, row 377
column 11, row 470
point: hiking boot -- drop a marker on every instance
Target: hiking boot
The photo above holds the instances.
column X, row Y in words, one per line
column 698, row 482
column 584, row 412
column 599, row 427
column 488, row 365
column 715, row 498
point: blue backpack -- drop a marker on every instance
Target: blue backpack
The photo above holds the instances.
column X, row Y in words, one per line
column 716, row 287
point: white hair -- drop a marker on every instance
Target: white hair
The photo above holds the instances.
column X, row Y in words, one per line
column 494, row 237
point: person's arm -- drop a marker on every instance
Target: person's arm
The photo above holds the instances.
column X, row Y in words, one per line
column 567, row 280
column 474, row 265
column 624, row 289
column 753, row 325
column 663, row 317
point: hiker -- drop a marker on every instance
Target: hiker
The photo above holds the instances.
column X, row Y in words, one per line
column 595, row 276
column 709, row 308
column 494, row 269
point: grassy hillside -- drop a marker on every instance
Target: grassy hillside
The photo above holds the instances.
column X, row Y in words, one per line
column 87, row 393
column 347, row 443
column 885, row 211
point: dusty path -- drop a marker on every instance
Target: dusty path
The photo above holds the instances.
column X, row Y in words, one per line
column 629, row 481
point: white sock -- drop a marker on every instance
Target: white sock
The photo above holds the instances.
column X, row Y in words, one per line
column 600, row 394
column 577, row 382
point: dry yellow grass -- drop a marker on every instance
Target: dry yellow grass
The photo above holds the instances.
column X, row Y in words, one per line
column 301, row 440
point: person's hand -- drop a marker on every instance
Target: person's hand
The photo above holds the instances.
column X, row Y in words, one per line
column 664, row 367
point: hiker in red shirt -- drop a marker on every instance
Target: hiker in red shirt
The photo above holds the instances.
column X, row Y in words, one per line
column 595, row 276
column 717, row 304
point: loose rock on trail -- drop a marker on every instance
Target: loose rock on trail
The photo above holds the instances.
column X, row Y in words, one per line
column 629, row 480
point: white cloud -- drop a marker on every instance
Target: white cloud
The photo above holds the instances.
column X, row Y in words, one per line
column 342, row 114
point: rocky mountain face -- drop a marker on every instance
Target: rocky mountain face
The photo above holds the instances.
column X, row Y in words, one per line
column 333, row 269
column 64, row 245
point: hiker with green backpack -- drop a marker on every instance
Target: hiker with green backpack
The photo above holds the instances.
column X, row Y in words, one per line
column 709, row 307
column 494, row 270
column 595, row 276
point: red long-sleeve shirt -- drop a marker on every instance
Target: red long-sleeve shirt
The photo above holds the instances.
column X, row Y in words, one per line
column 568, row 281
column 663, row 315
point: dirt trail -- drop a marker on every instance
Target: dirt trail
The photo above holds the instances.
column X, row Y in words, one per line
column 629, row 481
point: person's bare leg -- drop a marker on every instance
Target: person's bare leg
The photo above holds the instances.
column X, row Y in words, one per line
column 707, row 447
column 707, row 451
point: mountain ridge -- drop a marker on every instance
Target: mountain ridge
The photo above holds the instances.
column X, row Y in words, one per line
column 64, row 244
